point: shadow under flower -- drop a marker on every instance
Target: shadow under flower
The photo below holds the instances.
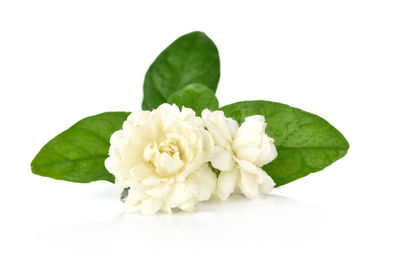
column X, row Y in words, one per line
column 239, row 222
column 274, row 215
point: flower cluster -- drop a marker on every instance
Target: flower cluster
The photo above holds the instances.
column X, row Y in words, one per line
column 171, row 158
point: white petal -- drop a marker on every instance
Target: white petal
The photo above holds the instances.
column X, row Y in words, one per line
column 132, row 116
column 251, row 169
column 217, row 125
column 220, row 121
column 134, row 197
column 117, row 138
column 254, row 180
column 232, row 126
column 222, row 159
column 188, row 206
column 217, row 136
column 168, row 108
column 267, row 185
column 226, row 183
column 255, row 118
column 158, row 191
column 247, row 152
column 151, row 181
column 267, row 152
column 137, row 117
column 250, row 132
column 205, row 114
column 110, row 165
column 185, row 148
column 141, row 172
column 187, row 113
column 166, row 208
column 178, row 195
column 150, row 206
column 202, row 183
column 208, row 146
column 248, row 184
column 167, row 164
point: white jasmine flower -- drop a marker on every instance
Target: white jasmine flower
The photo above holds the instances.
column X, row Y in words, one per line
column 162, row 157
column 240, row 153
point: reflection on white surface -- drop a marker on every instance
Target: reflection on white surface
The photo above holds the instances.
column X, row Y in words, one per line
column 239, row 222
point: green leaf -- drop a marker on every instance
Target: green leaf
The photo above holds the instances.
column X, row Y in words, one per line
column 195, row 96
column 124, row 194
column 78, row 153
column 305, row 142
column 192, row 58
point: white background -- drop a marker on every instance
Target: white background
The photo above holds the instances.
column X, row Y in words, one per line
column 61, row 61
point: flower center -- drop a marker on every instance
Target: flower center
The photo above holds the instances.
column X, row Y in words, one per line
column 165, row 157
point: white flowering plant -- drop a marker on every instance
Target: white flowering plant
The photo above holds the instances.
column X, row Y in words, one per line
column 183, row 147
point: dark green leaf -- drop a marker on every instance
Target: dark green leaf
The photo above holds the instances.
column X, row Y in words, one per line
column 192, row 58
column 78, row 153
column 195, row 96
column 124, row 194
column 305, row 142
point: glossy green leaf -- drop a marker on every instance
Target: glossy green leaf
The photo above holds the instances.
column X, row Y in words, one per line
column 195, row 96
column 192, row 58
column 305, row 142
column 78, row 153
